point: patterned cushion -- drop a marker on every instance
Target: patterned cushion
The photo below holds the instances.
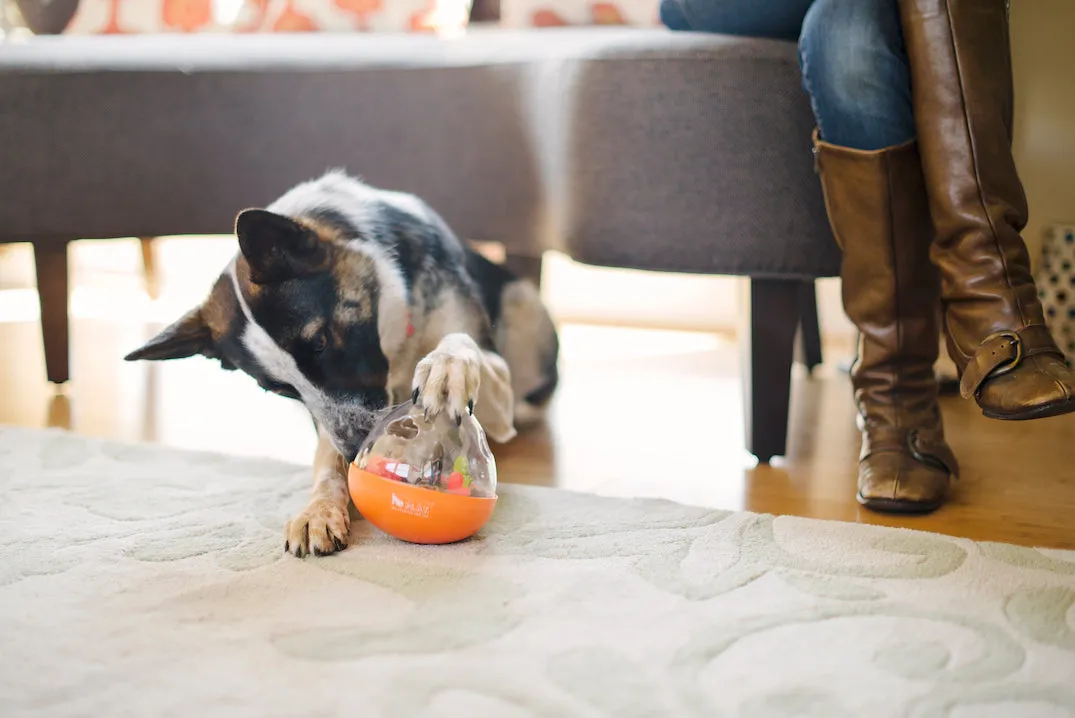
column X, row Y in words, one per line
column 557, row 13
column 171, row 16
column 112, row 17
column 1056, row 286
column 354, row 15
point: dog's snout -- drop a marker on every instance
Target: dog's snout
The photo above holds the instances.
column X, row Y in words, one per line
column 345, row 425
column 349, row 444
column 349, row 436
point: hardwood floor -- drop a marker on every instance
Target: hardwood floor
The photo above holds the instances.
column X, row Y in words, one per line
column 640, row 413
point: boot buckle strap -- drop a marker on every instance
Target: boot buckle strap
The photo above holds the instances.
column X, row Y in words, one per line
column 926, row 446
column 932, row 453
column 1002, row 352
column 998, row 354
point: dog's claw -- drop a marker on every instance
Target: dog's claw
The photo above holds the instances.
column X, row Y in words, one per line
column 318, row 530
column 458, row 419
column 414, row 397
column 470, row 407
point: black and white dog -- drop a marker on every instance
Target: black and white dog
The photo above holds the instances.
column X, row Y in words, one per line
column 350, row 299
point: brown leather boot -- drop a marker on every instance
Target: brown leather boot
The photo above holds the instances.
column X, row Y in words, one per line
column 877, row 207
column 962, row 93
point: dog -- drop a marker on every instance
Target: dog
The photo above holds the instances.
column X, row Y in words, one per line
column 352, row 299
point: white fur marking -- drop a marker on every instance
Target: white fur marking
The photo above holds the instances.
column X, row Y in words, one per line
column 279, row 364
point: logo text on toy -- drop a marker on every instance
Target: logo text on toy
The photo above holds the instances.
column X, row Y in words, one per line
column 409, row 507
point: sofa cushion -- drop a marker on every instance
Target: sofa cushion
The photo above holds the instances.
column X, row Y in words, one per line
column 153, row 135
column 690, row 153
column 640, row 148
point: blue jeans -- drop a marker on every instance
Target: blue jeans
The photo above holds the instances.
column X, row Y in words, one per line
column 851, row 52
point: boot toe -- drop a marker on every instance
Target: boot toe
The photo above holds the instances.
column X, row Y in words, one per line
column 1039, row 387
column 895, row 482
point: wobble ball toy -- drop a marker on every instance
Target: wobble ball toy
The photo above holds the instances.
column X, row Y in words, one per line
column 424, row 480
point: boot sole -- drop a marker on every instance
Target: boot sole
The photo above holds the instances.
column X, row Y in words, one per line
column 896, row 506
column 1040, row 412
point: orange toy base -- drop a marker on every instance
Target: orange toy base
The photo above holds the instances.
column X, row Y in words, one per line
column 414, row 514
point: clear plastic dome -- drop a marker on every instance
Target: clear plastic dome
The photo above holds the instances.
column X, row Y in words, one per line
column 435, row 454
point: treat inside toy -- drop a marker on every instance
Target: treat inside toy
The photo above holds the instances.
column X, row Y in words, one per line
column 435, row 454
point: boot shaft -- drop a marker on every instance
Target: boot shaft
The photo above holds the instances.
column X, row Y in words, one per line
column 878, row 210
column 963, row 99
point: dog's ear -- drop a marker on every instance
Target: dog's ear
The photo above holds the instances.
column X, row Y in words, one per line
column 277, row 248
column 186, row 337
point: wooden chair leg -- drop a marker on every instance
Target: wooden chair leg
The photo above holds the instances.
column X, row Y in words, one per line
column 524, row 267
column 50, row 260
column 770, row 319
column 149, row 267
column 809, row 326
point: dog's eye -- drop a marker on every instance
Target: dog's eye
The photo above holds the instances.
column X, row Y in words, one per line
column 319, row 342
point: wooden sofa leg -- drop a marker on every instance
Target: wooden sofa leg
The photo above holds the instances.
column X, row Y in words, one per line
column 524, row 267
column 50, row 260
column 809, row 327
column 767, row 341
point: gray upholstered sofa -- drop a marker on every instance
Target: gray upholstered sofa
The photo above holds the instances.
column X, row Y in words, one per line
column 620, row 147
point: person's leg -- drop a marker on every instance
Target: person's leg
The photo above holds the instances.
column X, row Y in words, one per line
column 856, row 72
column 961, row 75
column 776, row 19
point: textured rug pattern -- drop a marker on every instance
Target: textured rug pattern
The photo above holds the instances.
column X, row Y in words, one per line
column 141, row 581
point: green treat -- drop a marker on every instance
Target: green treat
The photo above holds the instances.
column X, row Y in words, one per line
column 462, row 467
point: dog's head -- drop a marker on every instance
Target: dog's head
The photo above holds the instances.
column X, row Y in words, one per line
column 306, row 312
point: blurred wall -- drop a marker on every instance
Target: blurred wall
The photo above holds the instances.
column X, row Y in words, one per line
column 1043, row 35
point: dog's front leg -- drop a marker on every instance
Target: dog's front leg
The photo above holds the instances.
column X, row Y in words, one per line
column 324, row 524
column 460, row 376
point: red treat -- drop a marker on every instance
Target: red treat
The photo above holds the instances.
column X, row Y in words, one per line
column 384, row 468
column 377, row 465
column 455, row 481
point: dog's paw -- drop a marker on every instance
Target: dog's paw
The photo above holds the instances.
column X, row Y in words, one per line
column 447, row 378
column 321, row 529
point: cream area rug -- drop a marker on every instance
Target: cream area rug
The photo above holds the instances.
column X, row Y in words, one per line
column 143, row 581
